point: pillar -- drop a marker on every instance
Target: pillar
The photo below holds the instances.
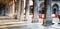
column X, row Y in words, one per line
column 35, row 11
column 26, row 9
column 49, row 13
column 16, row 9
column 45, row 9
column 22, row 10
column 19, row 9
column 13, row 8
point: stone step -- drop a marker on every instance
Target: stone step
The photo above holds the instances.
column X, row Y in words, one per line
column 9, row 20
column 6, row 23
column 10, row 23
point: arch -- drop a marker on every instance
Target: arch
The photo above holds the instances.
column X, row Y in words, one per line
column 55, row 8
column 41, row 8
column 42, row 4
column 55, row 5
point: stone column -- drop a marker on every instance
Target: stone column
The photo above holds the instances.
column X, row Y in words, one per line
column 26, row 9
column 22, row 10
column 49, row 13
column 45, row 9
column 13, row 8
column 19, row 9
column 16, row 9
column 35, row 11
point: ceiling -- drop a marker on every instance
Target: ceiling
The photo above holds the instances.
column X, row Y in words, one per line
column 5, row 1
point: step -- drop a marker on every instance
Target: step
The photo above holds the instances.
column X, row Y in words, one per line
column 12, row 25
column 8, row 23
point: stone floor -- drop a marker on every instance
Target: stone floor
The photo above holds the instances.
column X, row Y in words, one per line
column 38, row 26
column 31, row 26
column 35, row 26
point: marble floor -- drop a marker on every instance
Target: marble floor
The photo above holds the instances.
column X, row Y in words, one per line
column 35, row 26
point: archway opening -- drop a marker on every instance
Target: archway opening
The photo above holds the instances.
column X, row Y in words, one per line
column 55, row 9
column 2, row 10
column 41, row 11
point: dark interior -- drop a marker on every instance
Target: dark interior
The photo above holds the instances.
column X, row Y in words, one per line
column 2, row 10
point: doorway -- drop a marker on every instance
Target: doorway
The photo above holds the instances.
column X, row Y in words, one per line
column 2, row 10
column 55, row 9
